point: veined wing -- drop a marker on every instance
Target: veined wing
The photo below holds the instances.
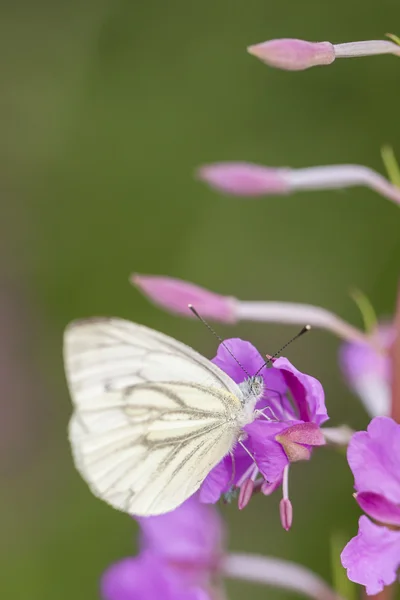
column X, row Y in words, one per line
column 110, row 354
column 147, row 448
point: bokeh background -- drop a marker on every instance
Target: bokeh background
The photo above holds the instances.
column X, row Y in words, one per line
column 107, row 107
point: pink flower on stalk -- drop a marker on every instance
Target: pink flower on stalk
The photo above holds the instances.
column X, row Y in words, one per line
column 368, row 371
column 174, row 295
column 180, row 555
column 296, row 55
column 251, row 180
column 372, row 558
column 292, row 410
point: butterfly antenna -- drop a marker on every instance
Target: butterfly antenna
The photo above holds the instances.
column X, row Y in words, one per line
column 271, row 358
column 196, row 314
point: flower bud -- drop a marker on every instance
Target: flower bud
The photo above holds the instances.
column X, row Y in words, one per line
column 174, row 295
column 244, row 179
column 293, row 54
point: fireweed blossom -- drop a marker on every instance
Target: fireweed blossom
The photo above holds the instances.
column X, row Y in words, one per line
column 182, row 556
column 368, row 371
column 291, row 412
column 372, row 558
column 179, row 558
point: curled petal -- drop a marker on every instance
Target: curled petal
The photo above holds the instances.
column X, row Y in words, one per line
column 372, row 456
column 307, row 392
column 304, row 433
column 268, row 488
column 373, row 556
column 379, row 508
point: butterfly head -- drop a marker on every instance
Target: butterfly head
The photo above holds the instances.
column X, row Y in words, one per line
column 252, row 389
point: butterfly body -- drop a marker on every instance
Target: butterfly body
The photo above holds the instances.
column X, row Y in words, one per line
column 151, row 416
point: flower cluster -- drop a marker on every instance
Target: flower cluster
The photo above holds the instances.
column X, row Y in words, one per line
column 182, row 553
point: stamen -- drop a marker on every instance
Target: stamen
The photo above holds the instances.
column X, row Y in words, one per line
column 285, row 505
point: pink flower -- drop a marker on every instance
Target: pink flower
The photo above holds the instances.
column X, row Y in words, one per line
column 180, row 554
column 368, row 371
column 372, row 558
column 285, row 431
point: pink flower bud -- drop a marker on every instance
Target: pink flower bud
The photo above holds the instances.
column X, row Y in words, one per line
column 286, row 513
column 292, row 54
column 174, row 295
column 244, row 179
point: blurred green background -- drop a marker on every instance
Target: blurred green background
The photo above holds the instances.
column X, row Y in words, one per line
column 107, row 107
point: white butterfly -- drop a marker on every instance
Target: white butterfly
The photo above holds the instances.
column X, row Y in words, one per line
column 152, row 416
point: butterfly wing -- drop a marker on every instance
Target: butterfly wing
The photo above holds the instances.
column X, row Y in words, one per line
column 152, row 417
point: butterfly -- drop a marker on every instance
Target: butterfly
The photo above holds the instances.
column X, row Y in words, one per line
column 151, row 416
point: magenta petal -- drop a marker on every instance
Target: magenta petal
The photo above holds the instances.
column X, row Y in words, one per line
column 192, row 533
column 373, row 458
column 270, row 458
column 307, row 392
column 246, row 355
column 379, row 508
column 216, row 482
column 373, row 556
column 134, row 579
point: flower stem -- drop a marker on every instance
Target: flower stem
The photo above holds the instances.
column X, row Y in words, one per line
column 278, row 573
column 298, row 314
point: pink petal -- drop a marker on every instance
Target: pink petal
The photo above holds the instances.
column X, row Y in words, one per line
column 368, row 372
column 373, row 458
column 192, row 533
column 379, row 508
column 373, row 556
column 269, row 456
column 216, row 482
column 174, row 295
column 304, row 433
column 307, row 392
